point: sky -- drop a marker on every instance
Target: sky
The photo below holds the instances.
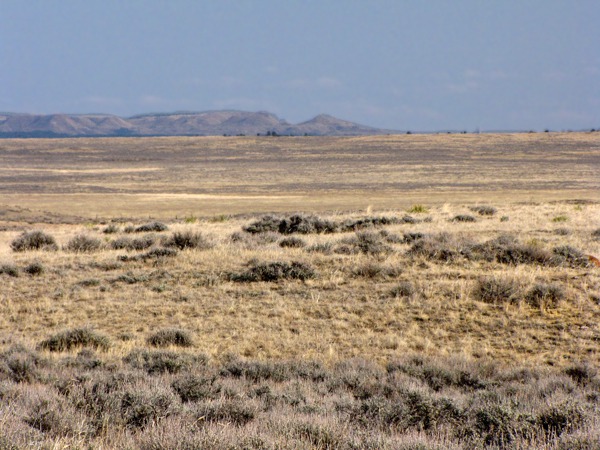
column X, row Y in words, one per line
column 419, row 65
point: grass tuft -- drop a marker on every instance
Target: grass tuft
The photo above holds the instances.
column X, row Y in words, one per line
column 170, row 336
column 78, row 337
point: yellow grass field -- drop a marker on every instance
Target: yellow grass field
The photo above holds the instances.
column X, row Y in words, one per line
column 206, row 176
column 545, row 188
column 393, row 292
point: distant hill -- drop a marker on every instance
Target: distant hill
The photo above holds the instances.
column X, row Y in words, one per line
column 64, row 125
column 209, row 123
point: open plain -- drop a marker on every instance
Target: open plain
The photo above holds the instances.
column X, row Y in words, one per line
column 414, row 291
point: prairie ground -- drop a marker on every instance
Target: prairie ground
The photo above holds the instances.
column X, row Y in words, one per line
column 205, row 176
column 430, row 282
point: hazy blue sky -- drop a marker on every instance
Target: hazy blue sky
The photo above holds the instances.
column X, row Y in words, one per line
column 418, row 65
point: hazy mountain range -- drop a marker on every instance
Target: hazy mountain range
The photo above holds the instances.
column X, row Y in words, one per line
column 209, row 123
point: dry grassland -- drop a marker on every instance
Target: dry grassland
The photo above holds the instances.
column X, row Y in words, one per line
column 168, row 177
column 459, row 314
column 348, row 309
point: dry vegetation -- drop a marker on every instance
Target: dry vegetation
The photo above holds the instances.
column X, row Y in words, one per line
column 71, row 179
column 431, row 326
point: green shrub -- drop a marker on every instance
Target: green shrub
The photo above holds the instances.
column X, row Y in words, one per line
column 562, row 231
column 34, row 240
column 441, row 247
column 10, row 270
column 557, row 419
column 228, row 411
column 366, row 242
column 292, row 242
column 170, row 336
column 495, row 290
column 566, row 255
column 403, row 290
column 152, row 226
column 463, row 218
column 516, row 253
column 20, row 365
column 158, row 253
column 411, row 237
column 140, row 243
column 417, row 209
column 192, row 388
column 275, row 271
column 111, row 229
column 36, row 268
column 83, row 244
column 561, row 218
column 188, row 239
column 78, row 337
column 582, row 373
column 145, row 406
column 543, row 294
column 484, row 210
column 162, row 361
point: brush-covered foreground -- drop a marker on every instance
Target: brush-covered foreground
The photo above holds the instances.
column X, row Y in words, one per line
column 436, row 327
column 162, row 399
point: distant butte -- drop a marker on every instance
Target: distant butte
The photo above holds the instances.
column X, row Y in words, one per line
column 209, row 123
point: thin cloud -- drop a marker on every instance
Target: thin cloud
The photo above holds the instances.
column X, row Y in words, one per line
column 324, row 83
column 245, row 103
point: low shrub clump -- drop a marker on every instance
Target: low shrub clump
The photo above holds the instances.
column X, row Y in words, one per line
column 140, row 243
column 517, row 253
column 188, row 239
column 403, row 290
column 565, row 255
column 417, row 209
column 10, row 270
column 544, row 294
column 78, row 337
column 302, row 224
column 484, row 210
column 35, row 268
column 228, row 411
column 162, row 361
column 151, row 227
column 111, row 229
column 375, row 221
column 296, row 223
column 192, row 388
column 83, row 244
column 159, row 252
column 441, row 247
column 170, row 336
column 463, row 218
column 144, row 406
column 275, row 271
column 366, row 242
column 34, row 240
column 292, row 242
column 496, row 290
